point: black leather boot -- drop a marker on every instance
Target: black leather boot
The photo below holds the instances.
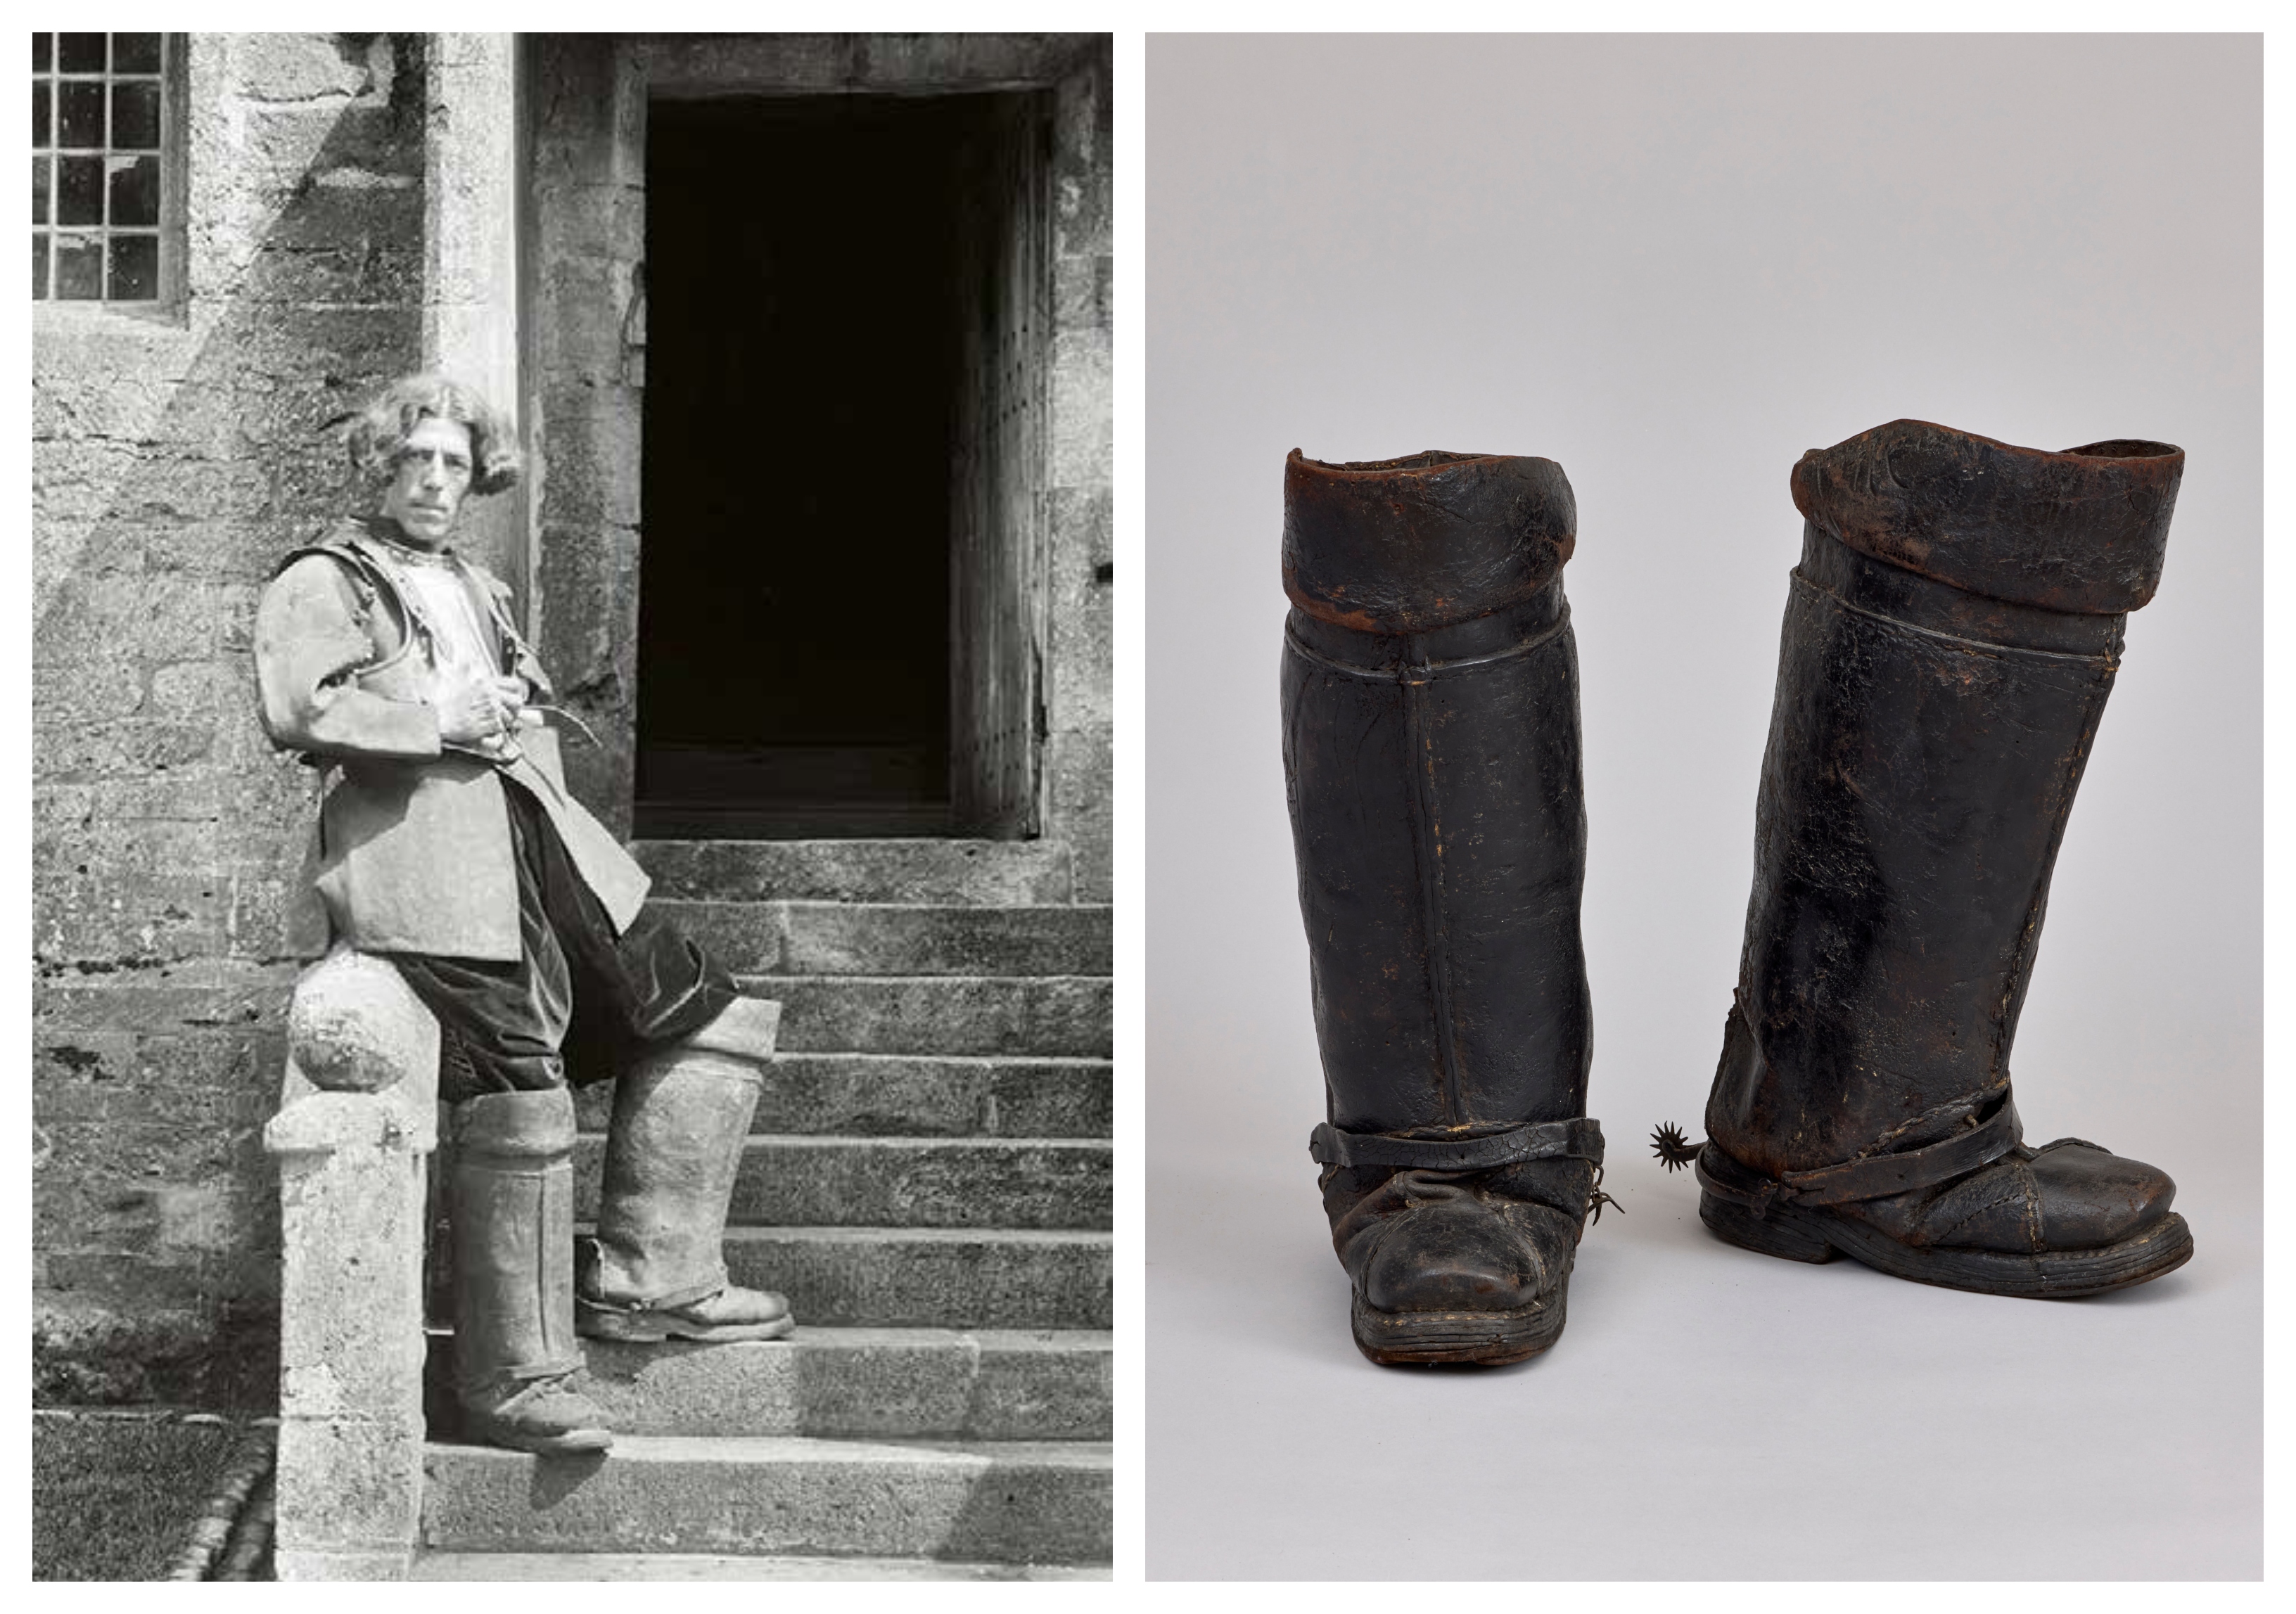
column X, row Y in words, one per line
column 1950, row 637
column 511, row 1200
column 1430, row 751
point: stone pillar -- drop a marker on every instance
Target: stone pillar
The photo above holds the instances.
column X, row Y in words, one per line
column 470, row 228
column 357, row 1118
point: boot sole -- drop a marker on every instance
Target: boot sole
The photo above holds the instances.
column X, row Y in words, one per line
column 573, row 1443
column 643, row 1329
column 1792, row 1233
column 1487, row 1339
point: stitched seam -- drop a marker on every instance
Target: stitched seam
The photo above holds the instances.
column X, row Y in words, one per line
column 1419, row 671
column 1427, row 845
column 1969, row 1104
column 1983, row 647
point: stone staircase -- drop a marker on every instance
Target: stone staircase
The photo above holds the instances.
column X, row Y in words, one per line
column 928, row 1180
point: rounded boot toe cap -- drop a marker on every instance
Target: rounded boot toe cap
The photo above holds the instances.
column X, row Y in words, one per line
column 1457, row 1255
column 2091, row 1198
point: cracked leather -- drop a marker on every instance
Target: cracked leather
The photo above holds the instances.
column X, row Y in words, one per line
column 1432, row 764
column 1951, row 636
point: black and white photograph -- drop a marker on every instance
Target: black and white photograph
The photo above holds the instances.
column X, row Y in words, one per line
column 571, row 806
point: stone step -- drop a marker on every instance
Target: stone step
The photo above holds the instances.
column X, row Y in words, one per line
column 928, row 1277
column 985, row 1502
column 846, row 1182
column 889, row 938
column 850, row 1383
column 862, row 1383
column 988, row 873
column 1066, row 1016
column 917, row 1096
column 704, row 1566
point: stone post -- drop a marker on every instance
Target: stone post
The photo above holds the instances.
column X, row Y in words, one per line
column 357, row 1118
column 471, row 269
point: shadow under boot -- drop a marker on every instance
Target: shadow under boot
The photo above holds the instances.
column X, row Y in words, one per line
column 656, row 1269
column 1952, row 634
column 511, row 1197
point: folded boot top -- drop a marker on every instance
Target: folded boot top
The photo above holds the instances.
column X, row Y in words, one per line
column 1411, row 545
column 2084, row 530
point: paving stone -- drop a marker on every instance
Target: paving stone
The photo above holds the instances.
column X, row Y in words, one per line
column 1033, row 1502
column 703, row 1565
column 928, row 1277
column 903, row 1182
column 918, row 1095
column 986, row 872
column 1062, row 1015
column 862, row 1382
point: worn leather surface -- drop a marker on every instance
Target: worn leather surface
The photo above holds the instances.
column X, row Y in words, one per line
column 510, row 1180
column 1399, row 546
column 673, row 1151
column 1950, row 638
column 1432, row 759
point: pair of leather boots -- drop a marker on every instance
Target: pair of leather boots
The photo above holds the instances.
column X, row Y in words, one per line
column 655, row 1270
column 1951, row 633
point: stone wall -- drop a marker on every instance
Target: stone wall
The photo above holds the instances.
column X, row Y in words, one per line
column 176, row 454
column 585, row 394
column 1079, row 764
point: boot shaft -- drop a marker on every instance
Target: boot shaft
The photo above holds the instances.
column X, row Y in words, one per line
column 1431, row 757
column 1950, row 638
column 510, row 1202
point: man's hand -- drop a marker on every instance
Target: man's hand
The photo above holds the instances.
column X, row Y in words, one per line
column 483, row 713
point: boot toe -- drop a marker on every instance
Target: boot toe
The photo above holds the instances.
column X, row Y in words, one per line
column 2069, row 1195
column 2091, row 1198
column 1458, row 1255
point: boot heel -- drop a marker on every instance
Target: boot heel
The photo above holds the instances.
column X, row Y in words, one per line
column 1768, row 1236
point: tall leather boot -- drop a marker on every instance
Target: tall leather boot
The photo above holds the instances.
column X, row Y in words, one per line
column 1430, row 751
column 657, row 1268
column 510, row 1185
column 1950, row 637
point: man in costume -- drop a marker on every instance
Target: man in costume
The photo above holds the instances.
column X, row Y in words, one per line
column 447, row 840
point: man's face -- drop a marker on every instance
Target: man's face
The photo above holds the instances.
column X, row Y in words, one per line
column 427, row 485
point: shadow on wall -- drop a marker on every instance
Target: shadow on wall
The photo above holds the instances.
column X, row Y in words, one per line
column 173, row 466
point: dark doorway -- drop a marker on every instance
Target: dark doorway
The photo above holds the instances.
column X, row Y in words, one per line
column 806, row 308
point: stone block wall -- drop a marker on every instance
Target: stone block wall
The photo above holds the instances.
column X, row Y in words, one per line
column 176, row 454
column 586, row 395
column 1079, row 762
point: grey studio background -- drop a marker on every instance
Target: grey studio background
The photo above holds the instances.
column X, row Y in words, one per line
column 1672, row 264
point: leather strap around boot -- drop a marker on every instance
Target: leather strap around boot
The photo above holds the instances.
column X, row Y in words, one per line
column 1579, row 1139
column 1878, row 1177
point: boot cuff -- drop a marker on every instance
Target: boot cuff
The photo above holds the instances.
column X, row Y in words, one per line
column 1403, row 547
column 537, row 1125
column 2083, row 530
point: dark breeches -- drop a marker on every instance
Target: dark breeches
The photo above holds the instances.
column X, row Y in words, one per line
column 580, row 1003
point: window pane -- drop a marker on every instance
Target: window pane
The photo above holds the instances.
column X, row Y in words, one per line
column 40, row 52
column 136, row 115
column 79, row 113
column 135, row 189
column 80, row 266
column 39, row 266
column 136, row 52
column 79, row 190
column 135, row 268
column 39, row 190
column 39, row 118
column 79, row 53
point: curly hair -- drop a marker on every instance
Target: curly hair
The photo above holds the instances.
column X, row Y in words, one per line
column 375, row 434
